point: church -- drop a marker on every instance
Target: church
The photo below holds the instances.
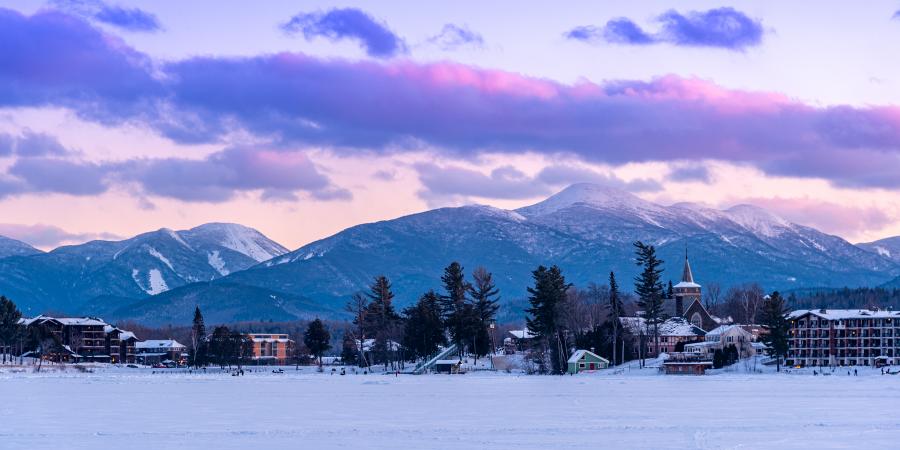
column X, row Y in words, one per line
column 686, row 319
column 687, row 301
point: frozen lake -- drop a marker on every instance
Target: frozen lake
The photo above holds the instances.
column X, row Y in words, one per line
column 139, row 410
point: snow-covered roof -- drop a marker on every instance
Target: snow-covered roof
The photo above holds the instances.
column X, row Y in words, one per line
column 447, row 361
column 722, row 329
column 687, row 284
column 68, row 321
column 579, row 354
column 521, row 334
column 158, row 344
column 842, row 314
column 676, row 326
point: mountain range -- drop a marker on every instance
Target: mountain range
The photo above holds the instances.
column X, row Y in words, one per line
column 236, row 273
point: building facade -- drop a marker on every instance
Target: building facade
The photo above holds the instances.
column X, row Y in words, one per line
column 80, row 339
column 156, row 351
column 271, row 348
column 843, row 337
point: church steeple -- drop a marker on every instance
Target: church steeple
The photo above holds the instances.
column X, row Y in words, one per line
column 687, row 276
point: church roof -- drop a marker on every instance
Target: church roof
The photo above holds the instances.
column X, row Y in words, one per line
column 686, row 275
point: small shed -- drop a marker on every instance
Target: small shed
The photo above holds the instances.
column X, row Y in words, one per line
column 687, row 367
column 586, row 360
column 451, row 366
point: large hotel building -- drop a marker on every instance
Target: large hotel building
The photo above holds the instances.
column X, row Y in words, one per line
column 844, row 337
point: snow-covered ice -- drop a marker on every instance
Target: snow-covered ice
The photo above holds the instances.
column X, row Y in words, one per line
column 134, row 409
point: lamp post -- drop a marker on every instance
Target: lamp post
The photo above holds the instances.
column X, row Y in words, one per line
column 492, row 325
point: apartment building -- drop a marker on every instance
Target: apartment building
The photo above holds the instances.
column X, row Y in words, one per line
column 844, row 337
column 271, row 348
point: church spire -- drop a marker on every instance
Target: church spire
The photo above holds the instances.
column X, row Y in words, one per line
column 687, row 276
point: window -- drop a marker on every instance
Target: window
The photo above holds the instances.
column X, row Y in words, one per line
column 696, row 320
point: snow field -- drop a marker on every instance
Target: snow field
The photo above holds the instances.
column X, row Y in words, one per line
column 137, row 410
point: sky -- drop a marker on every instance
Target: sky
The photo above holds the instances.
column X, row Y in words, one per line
column 301, row 119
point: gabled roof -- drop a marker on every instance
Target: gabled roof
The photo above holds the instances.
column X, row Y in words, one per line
column 579, row 354
column 842, row 314
column 676, row 326
column 67, row 321
column 159, row 344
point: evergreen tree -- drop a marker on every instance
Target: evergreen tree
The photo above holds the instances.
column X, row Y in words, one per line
column 670, row 291
column 774, row 318
column 457, row 312
column 317, row 339
column 423, row 332
column 649, row 288
column 381, row 319
column 616, row 311
column 545, row 298
column 349, row 350
column 198, row 339
column 485, row 297
column 10, row 329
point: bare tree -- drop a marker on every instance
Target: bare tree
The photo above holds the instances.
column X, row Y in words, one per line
column 712, row 295
column 358, row 306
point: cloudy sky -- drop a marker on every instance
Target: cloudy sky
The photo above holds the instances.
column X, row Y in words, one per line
column 303, row 118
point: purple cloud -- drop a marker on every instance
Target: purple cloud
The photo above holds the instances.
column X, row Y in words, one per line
column 347, row 23
column 46, row 175
column 721, row 27
column 453, row 37
column 128, row 19
column 31, row 144
column 690, row 172
column 617, row 31
column 49, row 236
column 359, row 107
column 220, row 176
column 52, row 58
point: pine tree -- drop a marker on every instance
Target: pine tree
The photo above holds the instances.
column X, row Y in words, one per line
column 616, row 311
column 423, row 331
column 381, row 319
column 774, row 318
column 198, row 339
column 485, row 297
column 10, row 329
column 317, row 339
column 548, row 293
column 349, row 350
column 648, row 287
column 456, row 310
column 670, row 291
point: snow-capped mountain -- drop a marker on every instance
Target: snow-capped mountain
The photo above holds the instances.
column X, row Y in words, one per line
column 147, row 264
column 888, row 248
column 12, row 247
column 587, row 230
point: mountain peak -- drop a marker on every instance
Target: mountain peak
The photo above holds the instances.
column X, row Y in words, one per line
column 757, row 219
column 592, row 195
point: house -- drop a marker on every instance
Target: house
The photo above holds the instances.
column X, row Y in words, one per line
column 843, row 337
column 673, row 333
column 80, row 339
column 155, row 351
column 517, row 341
column 269, row 348
column 728, row 335
column 120, row 345
column 586, row 360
